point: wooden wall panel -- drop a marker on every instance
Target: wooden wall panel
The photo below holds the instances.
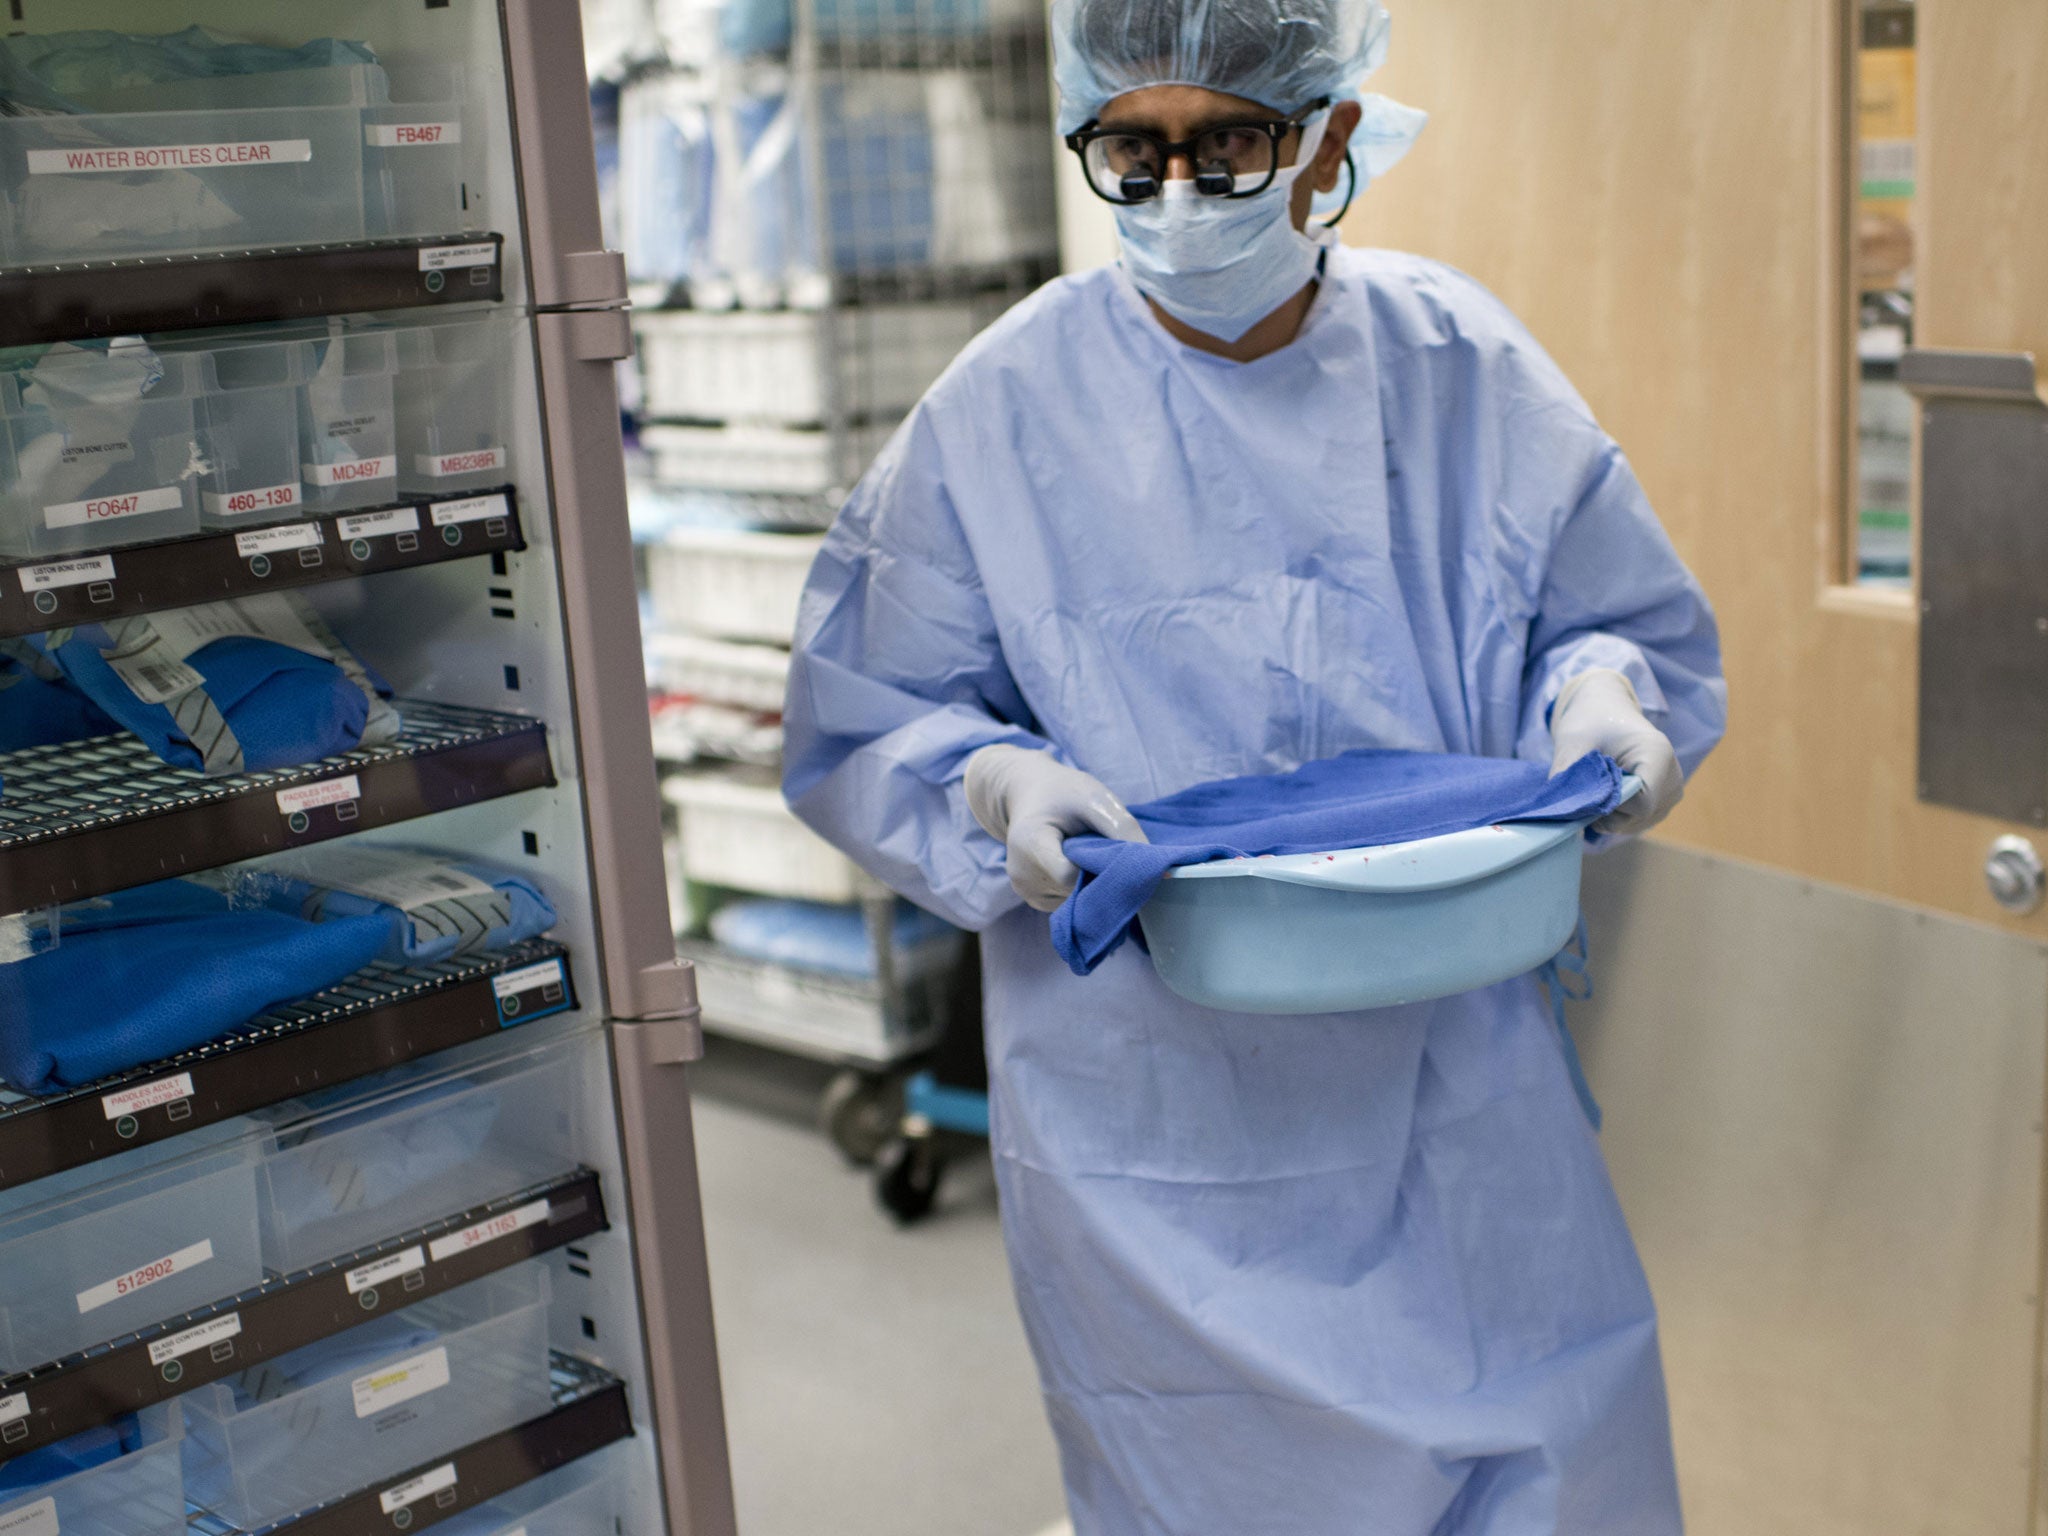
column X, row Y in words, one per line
column 1657, row 190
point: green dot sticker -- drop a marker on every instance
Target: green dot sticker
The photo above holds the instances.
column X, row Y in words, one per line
column 174, row 1370
column 368, row 1300
column 260, row 565
column 46, row 602
column 436, row 281
column 299, row 821
column 452, row 534
column 360, row 549
column 126, row 1127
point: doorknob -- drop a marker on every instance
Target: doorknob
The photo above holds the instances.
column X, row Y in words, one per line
column 2014, row 873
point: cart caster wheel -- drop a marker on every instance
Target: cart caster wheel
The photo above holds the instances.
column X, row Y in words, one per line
column 907, row 1178
column 860, row 1115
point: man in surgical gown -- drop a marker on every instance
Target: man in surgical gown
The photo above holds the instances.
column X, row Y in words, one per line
column 1355, row 1275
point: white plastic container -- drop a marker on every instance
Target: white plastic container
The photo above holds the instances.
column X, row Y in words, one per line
column 454, row 403
column 139, row 1494
column 246, row 415
column 348, row 426
column 720, row 671
column 360, row 1175
column 743, row 836
column 92, row 1261
column 729, row 584
column 97, row 450
column 342, row 1415
column 784, row 461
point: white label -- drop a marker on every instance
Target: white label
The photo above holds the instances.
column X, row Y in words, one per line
column 66, row 573
column 352, row 471
column 400, row 1383
column 395, row 1499
column 290, row 536
column 310, row 797
column 133, row 1101
column 269, row 616
column 470, row 509
column 37, row 1519
column 527, row 978
column 396, row 1267
column 409, row 135
column 488, row 1231
column 107, row 509
column 169, row 157
column 12, row 1408
column 205, row 1336
column 269, row 498
column 371, row 524
column 149, row 1274
column 394, row 876
column 439, row 258
column 154, row 677
column 441, row 465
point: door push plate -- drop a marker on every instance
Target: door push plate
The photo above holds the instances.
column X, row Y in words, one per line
column 1983, row 583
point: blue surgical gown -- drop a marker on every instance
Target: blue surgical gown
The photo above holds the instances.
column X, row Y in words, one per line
column 1354, row 1275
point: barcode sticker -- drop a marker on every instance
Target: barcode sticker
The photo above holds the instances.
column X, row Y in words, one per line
column 548, row 973
column 66, row 573
column 372, row 525
column 107, row 509
column 469, row 509
column 154, row 677
column 133, row 1101
column 12, row 1408
column 400, row 1383
column 290, row 536
column 205, row 1336
column 440, row 466
column 169, row 157
column 409, row 135
column 414, row 1489
column 352, row 471
column 396, row 1267
column 37, row 1519
column 310, row 797
column 397, row 877
column 269, row 498
column 440, row 258
column 141, row 1279
column 488, row 1231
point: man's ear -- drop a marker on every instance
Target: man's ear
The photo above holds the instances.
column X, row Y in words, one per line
column 1329, row 168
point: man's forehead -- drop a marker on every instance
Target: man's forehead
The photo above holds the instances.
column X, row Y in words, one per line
column 1178, row 108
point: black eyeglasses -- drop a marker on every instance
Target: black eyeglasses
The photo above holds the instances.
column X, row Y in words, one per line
column 1128, row 165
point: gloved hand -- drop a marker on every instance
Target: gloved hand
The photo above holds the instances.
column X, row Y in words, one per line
column 1032, row 803
column 1598, row 712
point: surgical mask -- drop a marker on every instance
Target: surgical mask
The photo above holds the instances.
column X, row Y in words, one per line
column 1222, row 264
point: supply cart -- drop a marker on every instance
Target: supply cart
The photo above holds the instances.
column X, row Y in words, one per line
column 378, row 330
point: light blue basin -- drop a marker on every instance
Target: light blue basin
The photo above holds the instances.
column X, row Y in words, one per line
column 1368, row 927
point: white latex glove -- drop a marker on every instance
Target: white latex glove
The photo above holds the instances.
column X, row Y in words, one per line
column 1598, row 712
column 1032, row 803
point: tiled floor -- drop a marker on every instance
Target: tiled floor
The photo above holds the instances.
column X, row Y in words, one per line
column 877, row 1382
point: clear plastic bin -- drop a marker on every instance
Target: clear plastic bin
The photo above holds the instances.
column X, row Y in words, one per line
column 731, row 585
column 575, row 1501
column 248, row 424
column 139, row 1494
column 454, row 397
column 97, row 450
column 413, row 169
column 774, row 460
column 367, row 1173
column 142, row 183
column 95, row 1257
column 344, row 1414
column 348, row 428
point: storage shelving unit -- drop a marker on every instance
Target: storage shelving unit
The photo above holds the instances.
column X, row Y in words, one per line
column 536, row 1099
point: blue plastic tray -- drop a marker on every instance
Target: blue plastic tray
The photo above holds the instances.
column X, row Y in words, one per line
column 1368, row 927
